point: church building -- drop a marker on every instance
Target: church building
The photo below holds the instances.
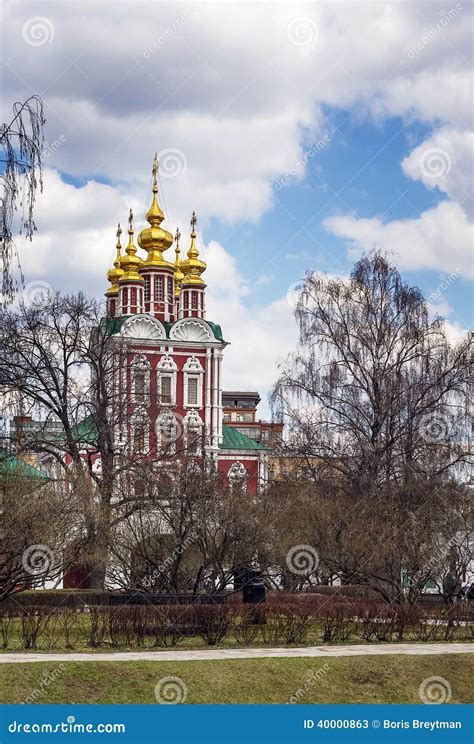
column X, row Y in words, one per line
column 171, row 355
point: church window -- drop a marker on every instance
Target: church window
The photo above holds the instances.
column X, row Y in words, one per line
column 147, row 289
column 192, row 391
column 186, row 300
column 133, row 299
column 165, row 395
column 166, row 433
column 140, row 378
column 158, row 288
column 194, row 300
column 193, row 428
column 125, row 296
column 170, row 289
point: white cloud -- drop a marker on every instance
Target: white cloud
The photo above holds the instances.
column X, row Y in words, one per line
column 444, row 161
column 441, row 238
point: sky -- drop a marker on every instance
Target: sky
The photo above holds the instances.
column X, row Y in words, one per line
column 302, row 134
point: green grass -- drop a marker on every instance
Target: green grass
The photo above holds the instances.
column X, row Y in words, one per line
column 363, row 679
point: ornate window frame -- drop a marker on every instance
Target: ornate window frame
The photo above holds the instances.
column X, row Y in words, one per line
column 192, row 422
column 140, row 416
column 140, row 363
column 166, row 367
column 167, row 419
column 193, row 369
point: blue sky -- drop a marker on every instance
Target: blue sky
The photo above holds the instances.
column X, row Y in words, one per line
column 233, row 96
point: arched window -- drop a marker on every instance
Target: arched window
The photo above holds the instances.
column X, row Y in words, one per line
column 159, row 289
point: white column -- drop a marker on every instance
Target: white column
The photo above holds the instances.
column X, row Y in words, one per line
column 215, row 402
column 219, row 397
column 208, row 397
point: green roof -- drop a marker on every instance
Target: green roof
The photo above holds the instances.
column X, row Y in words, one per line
column 233, row 439
column 85, row 432
column 13, row 467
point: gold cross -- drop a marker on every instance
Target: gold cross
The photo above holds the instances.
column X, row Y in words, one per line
column 177, row 236
column 130, row 220
column 193, row 221
column 155, row 168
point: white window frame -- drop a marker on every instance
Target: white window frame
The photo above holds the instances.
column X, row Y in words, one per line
column 166, row 418
column 193, row 368
column 140, row 416
column 167, row 367
column 193, row 422
column 140, row 364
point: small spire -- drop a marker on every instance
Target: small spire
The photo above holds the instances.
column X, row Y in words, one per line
column 193, row 267
column 154, row 170
column 178, row 274
column 115, row 274
column 193, row 251
column 130, row 262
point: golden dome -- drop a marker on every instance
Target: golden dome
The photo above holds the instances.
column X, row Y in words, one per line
column 154, row 239
column 193, row 267
column 178, row 274
column 115, row 274
column 130, row 262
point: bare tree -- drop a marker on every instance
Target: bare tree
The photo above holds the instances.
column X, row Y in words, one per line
column 21, row 153
column 376, row 399
column 36, row 521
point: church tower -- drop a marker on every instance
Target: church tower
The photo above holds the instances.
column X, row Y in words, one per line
column 168, row 355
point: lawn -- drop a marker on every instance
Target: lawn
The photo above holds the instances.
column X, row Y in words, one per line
column 363, row 679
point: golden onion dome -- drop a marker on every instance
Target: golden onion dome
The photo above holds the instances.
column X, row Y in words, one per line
column 154, row 239
column 193, row 267
column 115, row 274
column 130, row 262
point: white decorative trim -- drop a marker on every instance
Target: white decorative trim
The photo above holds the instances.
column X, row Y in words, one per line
column 140, row 415
column 192, row 422
column 237, row 474
column 191, row 330
column 140, row 363
column 143, row 327
column 167, row 420
column 167, row 364
column 193, row 365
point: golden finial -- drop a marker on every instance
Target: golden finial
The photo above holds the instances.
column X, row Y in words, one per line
column 115, row 274
column 130, row 262
column 154, row 170
column 154, row 239
column 193, row 267
column 178, row 274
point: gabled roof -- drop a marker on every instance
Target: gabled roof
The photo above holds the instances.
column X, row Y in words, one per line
column 12, row 467
column 234, row 440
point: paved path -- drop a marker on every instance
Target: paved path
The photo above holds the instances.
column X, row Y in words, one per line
column 379, row 649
